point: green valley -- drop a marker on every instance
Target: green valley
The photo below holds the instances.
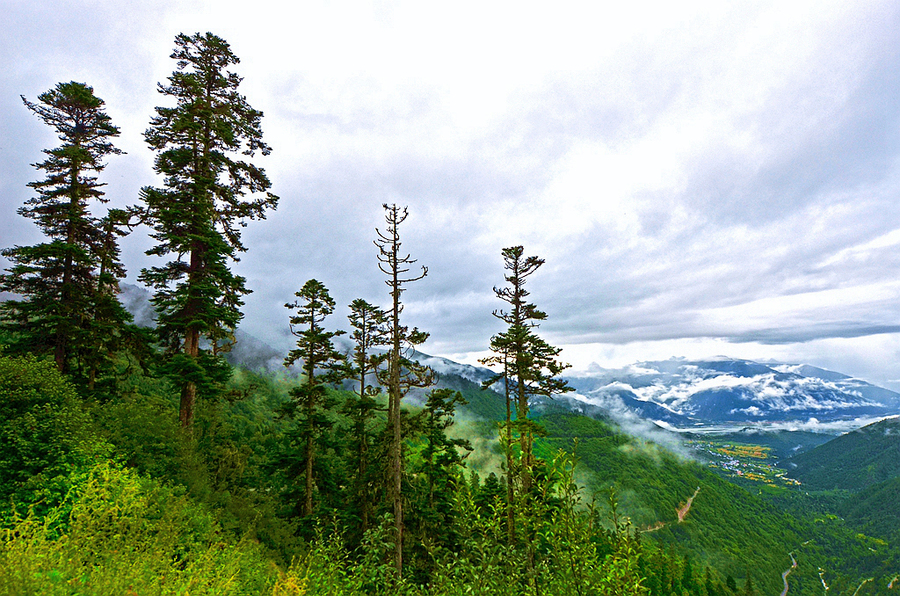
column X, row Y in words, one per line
column 184, row 456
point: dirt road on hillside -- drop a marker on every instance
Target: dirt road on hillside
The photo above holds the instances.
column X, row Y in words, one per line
column 681, row 512
column 687, row 506
column 785, row 575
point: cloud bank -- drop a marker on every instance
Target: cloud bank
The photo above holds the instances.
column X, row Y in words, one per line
column 702, row 178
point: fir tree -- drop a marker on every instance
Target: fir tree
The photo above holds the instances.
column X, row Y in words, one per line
column 441, row 454
column 731, row 583
column 708, row 584
column 114, row 333
column 436, row 475
column 322, row 366
column 502, row 359
column 748, row 589
column 68, row 283
column 530, row 369
column 197, row 216
column 369, row 332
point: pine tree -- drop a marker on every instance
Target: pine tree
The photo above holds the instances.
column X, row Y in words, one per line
column 400, row 373
column 66, row 283
column 748, row 590
column 502, row 358
column 197, row 215
column 431, row 517
column 530, row 369
column 489, row 492
column 369, row 332
column 708, row 583
column 731, row 584
column 114, row 333
column 687, row 576
column 441, row 454
column 322, row 366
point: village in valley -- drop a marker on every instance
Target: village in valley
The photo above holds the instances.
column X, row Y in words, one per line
column 745, row 461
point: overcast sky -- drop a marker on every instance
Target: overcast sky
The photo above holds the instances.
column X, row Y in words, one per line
column 703, row 178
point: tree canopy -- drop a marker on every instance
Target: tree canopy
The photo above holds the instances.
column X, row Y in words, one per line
column 66, row 281
column 197, row 215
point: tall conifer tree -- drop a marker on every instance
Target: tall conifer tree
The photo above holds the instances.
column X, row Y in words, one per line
column 369, row 332
column 400, row 373
column 113, row 329
column 530, row 368
column 197, row 215
column 66, row 282
column 322, row 365
column 441, row 455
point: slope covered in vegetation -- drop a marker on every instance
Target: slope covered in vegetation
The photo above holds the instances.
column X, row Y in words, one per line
column 853, row 461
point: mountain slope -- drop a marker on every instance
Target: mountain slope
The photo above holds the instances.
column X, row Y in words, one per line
column 853, row 461
column 678, row 503
column 725, row 526
column 874, row 510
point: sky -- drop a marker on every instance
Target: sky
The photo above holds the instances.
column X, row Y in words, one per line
column 702, row 178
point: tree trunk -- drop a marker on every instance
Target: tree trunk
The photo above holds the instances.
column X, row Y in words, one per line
column 191, row 343
column 310, row 454
column 189, row 389
column 522, row 414
column 510, row 489
column 59, row 351
column 363, row 451
column 396, row 462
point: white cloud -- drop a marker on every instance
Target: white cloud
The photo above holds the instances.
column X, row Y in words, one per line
column 703, row 178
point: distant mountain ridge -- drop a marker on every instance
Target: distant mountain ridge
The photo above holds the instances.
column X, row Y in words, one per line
column 689, row 393
column 674, row 393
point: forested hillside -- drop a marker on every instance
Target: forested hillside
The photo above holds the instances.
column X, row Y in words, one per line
column 853, row 461
column 139, row 460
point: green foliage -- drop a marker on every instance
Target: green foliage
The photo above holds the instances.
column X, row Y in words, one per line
column 370, row 332
column 322, row 365
column 727, row 527
column 434, row 471
column 68, row 283
column 144, row 428
column 45, row 432
column 119, row 533
column 570, row 558
column 875, row 511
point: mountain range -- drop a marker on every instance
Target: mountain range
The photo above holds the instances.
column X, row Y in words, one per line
column 690, row 394
column 677, row 394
